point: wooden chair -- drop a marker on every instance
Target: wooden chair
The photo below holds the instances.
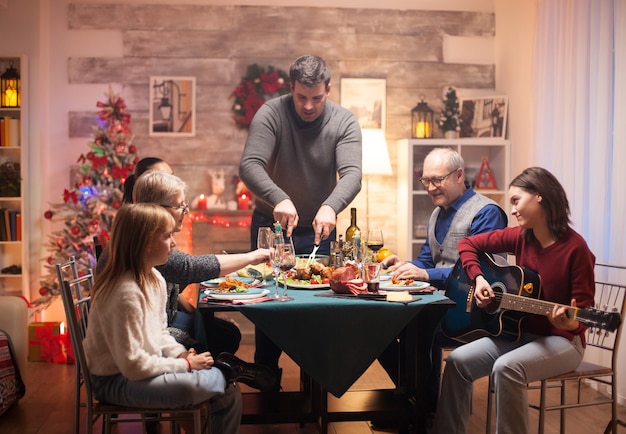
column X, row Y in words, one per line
column 77, row 313
column 601, row 343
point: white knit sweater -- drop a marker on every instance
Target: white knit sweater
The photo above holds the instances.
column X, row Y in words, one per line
column 127, row 333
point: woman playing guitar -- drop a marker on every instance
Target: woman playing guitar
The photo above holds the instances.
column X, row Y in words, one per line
column 548, row 344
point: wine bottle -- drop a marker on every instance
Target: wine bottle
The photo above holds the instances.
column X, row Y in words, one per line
column 353, row 228
column 277, row 237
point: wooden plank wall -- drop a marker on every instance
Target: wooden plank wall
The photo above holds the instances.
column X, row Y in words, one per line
column 217, row 43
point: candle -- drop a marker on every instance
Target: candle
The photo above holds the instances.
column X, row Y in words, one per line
column 202, row 202
column 420, row 130
column 11, row 97
column 243, row 201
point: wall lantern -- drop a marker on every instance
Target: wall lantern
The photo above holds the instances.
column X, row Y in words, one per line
column 10, row 87
column 422, row 121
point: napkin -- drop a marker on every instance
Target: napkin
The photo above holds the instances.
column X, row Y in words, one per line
column 252, row 301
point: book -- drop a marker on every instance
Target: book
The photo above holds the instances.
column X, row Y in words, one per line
column 5, row 136
column 13, row 137
column 13, row 225
column 7, row 225
column 3, row 231
column 2, row 122
column 18, row 226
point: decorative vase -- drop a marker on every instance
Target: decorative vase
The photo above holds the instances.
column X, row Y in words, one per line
column 452, row 134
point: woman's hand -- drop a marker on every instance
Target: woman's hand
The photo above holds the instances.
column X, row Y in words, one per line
column 483, row 294
column 559, row 319
column 199, row 361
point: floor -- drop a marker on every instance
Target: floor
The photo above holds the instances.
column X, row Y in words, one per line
column 47, row 407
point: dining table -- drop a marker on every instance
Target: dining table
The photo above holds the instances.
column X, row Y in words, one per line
column 334, row 338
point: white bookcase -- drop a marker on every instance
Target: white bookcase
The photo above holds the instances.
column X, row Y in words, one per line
column 13, row 251
column 414, row 204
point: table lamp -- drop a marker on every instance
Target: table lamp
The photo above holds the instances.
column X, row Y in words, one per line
column 375, row 160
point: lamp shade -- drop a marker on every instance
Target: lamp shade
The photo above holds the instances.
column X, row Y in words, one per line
column 375, row 154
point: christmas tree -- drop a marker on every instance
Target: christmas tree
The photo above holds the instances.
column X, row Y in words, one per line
column 450, row 118
column 88, row 208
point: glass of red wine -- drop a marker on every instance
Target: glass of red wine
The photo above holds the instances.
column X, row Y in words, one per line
column 375, row 240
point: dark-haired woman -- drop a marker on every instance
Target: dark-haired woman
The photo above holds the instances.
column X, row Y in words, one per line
column 145, row 164
column 550, row 344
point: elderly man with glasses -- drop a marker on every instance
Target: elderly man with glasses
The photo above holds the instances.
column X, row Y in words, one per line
column 459, row 212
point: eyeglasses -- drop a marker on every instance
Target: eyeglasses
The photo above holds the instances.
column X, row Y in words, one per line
column 437, row 181
column 184, row 208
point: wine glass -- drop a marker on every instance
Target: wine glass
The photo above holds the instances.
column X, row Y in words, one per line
column 375, row 240
column 286, row 259
column 264, row 237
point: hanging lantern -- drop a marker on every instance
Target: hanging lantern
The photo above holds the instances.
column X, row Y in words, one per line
column 10, row 88
column 422, row 121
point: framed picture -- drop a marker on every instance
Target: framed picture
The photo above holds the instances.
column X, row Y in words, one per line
column 484, row 117
column 365, row 97
column 172, row 106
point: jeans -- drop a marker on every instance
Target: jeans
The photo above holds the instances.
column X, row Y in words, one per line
column 176, row 390
column 512, row 364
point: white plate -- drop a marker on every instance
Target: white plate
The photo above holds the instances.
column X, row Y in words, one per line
column 388, row 286
column 219, row 280
column 251, row 294
column 307, row 285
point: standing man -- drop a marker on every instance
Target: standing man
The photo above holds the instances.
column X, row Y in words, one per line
column 302, row 161
column 459, row 212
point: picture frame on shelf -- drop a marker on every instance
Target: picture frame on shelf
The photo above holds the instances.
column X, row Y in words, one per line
column 365, row 98
column 484, row 116
column 172, row 106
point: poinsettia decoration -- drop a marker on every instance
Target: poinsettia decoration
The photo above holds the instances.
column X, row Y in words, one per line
column 259, row 85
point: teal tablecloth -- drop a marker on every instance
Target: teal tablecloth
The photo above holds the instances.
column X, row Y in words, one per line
column 334, row 340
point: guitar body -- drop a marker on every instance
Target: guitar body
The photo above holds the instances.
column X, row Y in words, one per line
column 467, row 322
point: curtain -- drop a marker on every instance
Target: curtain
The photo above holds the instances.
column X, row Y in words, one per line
column 580, row 127
column 580, row 119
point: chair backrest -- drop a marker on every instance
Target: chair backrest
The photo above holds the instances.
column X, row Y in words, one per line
column 77, row 316
column 14, row 321
column 610, row 297
column 97, row 247
column 67, row 270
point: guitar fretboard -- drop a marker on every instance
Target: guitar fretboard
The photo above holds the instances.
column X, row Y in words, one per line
column 531, row 305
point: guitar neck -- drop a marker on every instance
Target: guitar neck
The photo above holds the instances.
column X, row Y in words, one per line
column 531, row 305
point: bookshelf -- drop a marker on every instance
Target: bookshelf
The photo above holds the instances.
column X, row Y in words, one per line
column 13, row 188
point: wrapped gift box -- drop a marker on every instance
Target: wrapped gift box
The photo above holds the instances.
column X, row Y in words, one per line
column 46, row 343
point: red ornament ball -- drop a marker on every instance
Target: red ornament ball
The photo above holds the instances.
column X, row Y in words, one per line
column 90, row 155
column 43, row 291
column 50, row 260
column 75, row 230
column 132, row 149
column 115, row 205
column 48, row 215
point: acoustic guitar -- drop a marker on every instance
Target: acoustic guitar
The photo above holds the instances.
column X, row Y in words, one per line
column 517, row 293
